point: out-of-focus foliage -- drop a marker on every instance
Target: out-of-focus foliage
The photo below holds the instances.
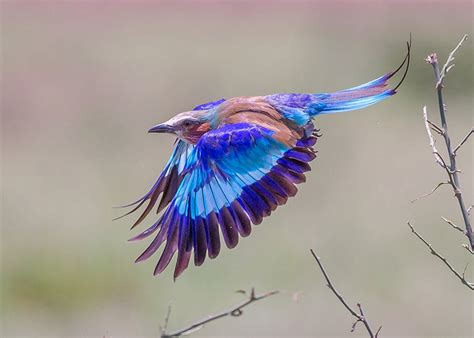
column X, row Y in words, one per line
column 81, row 84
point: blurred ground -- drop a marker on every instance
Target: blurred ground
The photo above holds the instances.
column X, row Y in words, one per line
column 83, row 81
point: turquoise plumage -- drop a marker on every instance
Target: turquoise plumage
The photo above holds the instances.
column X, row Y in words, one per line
column 235, row 161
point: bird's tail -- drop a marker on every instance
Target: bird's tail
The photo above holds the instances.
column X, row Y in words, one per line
column 358, row 97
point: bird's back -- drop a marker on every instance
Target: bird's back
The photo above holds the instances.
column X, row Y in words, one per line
column 257, row 110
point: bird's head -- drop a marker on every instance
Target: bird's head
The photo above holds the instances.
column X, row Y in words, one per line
column 188, row 126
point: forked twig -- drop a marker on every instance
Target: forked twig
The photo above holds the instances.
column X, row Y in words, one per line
column 447, row 66
column 235, row 311
column 442, row 258
column 435, row 127
column 452, row 169
column 360, row 317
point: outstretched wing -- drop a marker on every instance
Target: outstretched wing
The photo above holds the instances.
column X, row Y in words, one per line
column 235, row 176
column 167, row 184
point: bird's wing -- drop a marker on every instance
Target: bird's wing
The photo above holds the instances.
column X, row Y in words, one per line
column 235, row 175
column 167, row 183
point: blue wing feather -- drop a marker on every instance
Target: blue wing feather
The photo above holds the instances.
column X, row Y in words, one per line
column 209, row 105
column 230, row 181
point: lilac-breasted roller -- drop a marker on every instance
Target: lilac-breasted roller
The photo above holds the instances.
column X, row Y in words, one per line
column 234, row 162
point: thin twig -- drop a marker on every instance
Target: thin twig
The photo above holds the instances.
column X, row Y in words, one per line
column 434, row 150
column 165, row 324
column 468, row 248
column 454, row 226
column 430, row 193
column 464, row 271
column 463, row 141
column 360, row 317
column 447, row 66
column 452, row 170
column 235, row 311
column 443, row 259
column 435, row 127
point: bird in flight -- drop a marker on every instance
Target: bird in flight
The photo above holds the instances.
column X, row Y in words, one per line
column 233, row 163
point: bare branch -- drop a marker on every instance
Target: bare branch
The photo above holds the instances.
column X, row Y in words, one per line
column 235, row 311
column 463, row 141
column 453, row 225
column 360, row 317
column 430, row 193
column 452, row 169
column 448, row 65
column 443, row 259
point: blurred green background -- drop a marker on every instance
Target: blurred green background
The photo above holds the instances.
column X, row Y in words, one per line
column 83, row 81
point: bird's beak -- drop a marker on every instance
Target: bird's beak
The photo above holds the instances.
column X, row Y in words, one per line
column 162, row 128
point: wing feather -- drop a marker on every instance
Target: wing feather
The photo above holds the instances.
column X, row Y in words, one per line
column 235, row 176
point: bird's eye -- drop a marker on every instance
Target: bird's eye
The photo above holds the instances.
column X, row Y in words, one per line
column 187, row 123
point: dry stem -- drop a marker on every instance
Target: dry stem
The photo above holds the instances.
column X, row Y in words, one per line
column 451, row 170
column 235, row 311
column 360, row 317
column 443, row 259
